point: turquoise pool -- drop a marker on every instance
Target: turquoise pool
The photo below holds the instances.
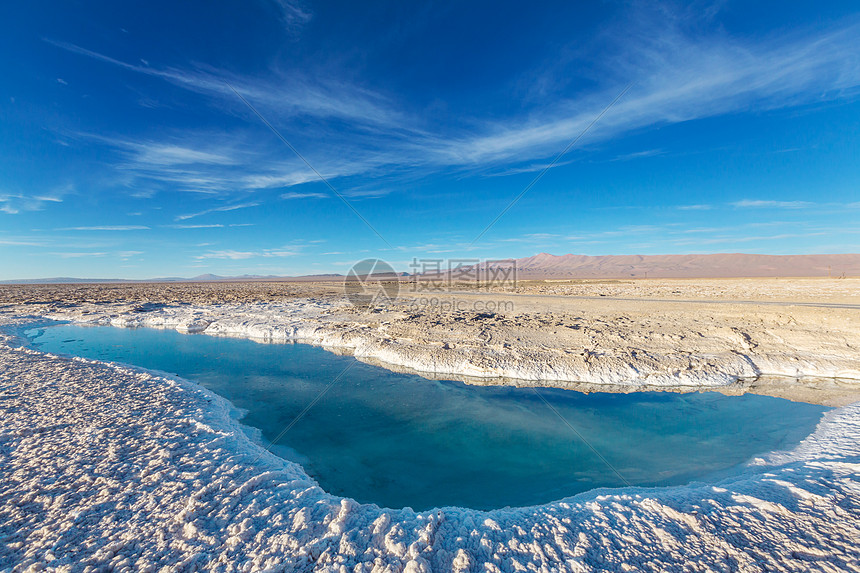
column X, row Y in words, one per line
column 402, row 440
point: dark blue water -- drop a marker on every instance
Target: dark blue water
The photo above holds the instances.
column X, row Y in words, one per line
column 401, row 440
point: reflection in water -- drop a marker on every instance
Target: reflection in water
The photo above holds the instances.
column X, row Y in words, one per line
column 398, row 439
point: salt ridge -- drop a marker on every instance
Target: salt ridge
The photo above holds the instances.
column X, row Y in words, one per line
column 311, row 321
column 111, row 467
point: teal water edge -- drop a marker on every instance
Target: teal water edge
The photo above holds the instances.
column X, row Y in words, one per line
column 401, row 440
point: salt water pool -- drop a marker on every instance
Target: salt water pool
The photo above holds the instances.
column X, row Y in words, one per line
column 401, row 440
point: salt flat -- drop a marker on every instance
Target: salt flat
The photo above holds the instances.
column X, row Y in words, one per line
column 658, row 333
column 106, row 466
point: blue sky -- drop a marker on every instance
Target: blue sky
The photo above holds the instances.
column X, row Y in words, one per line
column 125, row 152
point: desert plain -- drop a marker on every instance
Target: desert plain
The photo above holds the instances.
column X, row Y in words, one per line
column 105, row 466
column 791, row 337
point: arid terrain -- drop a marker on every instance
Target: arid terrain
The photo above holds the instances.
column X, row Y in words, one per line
column 735, row 334
column 114, row 467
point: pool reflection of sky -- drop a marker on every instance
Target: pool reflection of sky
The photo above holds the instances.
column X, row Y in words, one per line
column 402, row 440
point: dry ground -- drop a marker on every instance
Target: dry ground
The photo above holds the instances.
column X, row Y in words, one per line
column 658, row 332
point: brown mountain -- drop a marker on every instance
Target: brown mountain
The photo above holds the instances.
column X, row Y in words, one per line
column 546, row 266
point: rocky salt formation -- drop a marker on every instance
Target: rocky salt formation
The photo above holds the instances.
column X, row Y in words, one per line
column 107, row 467
column 551, row 339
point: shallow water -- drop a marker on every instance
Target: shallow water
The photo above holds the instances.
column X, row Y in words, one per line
column 401, row 440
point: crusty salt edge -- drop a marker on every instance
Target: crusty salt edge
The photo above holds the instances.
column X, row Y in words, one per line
column 304, row 321
column 108, row 466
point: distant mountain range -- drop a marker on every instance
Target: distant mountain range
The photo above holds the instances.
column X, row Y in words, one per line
column 722, row 265
column 546, row 266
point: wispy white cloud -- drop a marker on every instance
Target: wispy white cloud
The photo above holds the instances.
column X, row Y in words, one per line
column 14, row 203
column 308, row 195
column 735, row 238
column 166, row 154
column 202, row 148
column 533, row 238
column 287, row 251
column 703, row 230
column 22, row 242
column 760, row 203
column 295, row 95
column 639, row 155
column 695, row 207
column 107, row 228
column 292, row 13
column 198, row 162
column 220, row 209
column 623, row 231
column 76, row 255
column 529, row 168
column 212, row 226
column 282, row 176
column 125, row 255
column 679, row 72
column 680, row 76
column 207, row 226
column 217, row 163
column 228, row 254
